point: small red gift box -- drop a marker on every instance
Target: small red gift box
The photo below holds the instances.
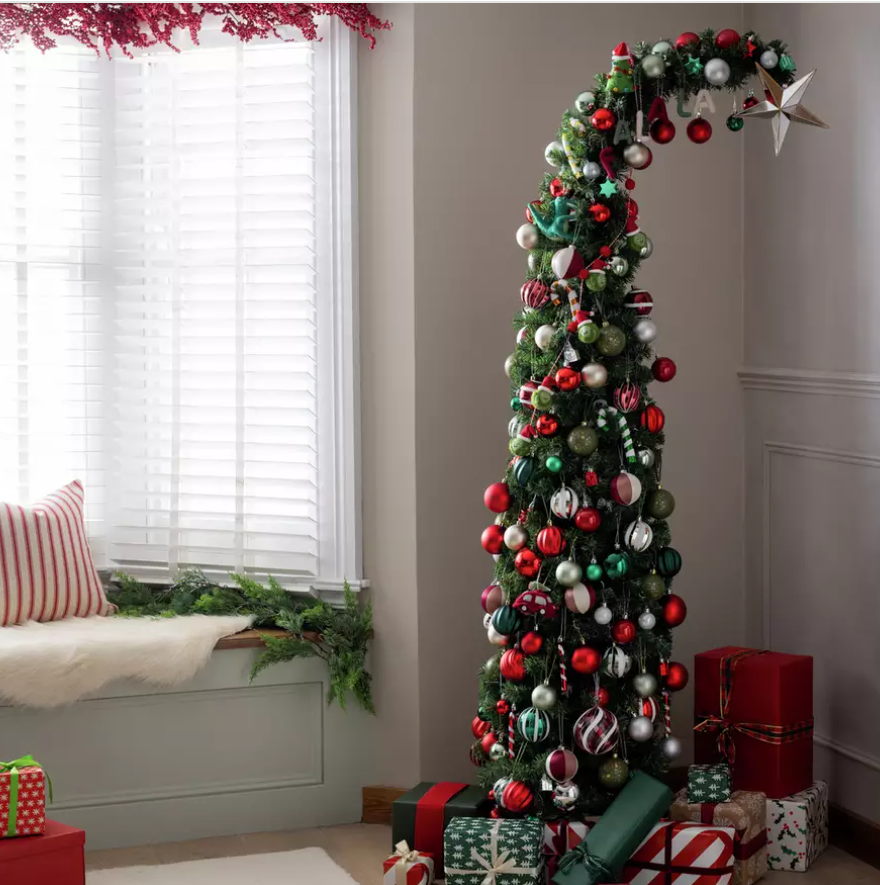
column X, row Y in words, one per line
column 694, row 853
column 408, row 867
column 755, row 709
column 22, row 798
column 55, row 858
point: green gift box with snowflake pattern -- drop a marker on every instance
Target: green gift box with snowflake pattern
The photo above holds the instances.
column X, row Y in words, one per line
column 505, row 852
column 709, row 783
column 797, row 828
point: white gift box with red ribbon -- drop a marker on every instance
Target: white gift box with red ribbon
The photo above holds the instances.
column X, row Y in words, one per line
column 408, row 867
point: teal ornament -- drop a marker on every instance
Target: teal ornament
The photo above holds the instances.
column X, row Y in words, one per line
column 523, row 470
column 608, row 188
column 553, row 463
column 594, row 571
column 515, row 404
column 533, row 725
column 668, row 562
column 506, row 620
column 786, row 63
column 557, row 221
column 583, row 440
column 616, row 565
column 734, row 123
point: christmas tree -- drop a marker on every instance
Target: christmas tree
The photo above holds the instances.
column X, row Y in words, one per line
column 582, row 605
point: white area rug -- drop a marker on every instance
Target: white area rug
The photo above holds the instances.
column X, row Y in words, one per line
column 47, row 665
column 308, row 866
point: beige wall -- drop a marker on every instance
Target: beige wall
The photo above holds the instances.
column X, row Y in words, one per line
column 812, row 387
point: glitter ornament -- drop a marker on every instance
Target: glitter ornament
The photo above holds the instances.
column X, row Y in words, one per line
column 583, row 440
column 611, row 341
column 613, row 773
column 660, row 504
column 653, row 586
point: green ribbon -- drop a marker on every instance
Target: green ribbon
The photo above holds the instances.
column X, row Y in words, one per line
column 13, row 768
column 596, row 868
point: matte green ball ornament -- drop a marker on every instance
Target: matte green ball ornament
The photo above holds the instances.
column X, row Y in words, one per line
column 594, row 571
column 612, row 341
column 596, row 282
column 613, row 773
column 542, row 399
column 616, row 565
column 583, row 440
column 653, row 586
column 523, row 470
column 660, row 504
column 519, row 446
column 588, row 332
column 553, row 463
column 734, row 123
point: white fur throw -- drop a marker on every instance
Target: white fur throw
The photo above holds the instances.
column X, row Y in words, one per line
column 55, row 663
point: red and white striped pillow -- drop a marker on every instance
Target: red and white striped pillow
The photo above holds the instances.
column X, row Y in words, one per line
column 46, row 567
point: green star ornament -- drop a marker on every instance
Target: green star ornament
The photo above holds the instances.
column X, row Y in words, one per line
column 608, row 188
column 783, row 106
column 693, row 66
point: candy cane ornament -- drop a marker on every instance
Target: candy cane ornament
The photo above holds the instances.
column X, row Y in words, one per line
column 603, row 421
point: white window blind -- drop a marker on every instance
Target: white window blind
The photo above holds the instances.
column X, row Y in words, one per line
column 177, row 308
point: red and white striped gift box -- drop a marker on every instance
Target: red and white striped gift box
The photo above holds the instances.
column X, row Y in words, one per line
column 684, row 854
column 560, row 836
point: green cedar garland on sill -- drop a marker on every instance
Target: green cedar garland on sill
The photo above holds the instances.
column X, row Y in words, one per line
column 341, row 634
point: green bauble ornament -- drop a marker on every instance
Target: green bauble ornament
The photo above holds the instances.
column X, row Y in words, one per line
column 594, row 571
column 596, row 281
column 734, row 123
column 653, row 586
column 669, row 562
column 553, row 463
column 542, row 399
column 613, row 773
column 588, row 332
column 616, row 565
column 612, row 341
column 519, row 445
column 523, row 470
column 505, row 620
column 533, row 724
column 637, row 241
column 515, row 404
column 583, row 440
column 660, row 504
column 490, row 668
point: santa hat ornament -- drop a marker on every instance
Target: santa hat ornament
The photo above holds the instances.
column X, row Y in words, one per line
column 542, row 398
column 567, row 263
column 596, row 277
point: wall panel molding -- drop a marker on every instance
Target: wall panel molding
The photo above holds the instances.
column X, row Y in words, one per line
column 810, row 381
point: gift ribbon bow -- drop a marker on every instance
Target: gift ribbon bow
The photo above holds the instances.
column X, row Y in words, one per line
column 406, row 858
column 580, row 855
column 13, row 769
column 727, row 729
column 496, row 863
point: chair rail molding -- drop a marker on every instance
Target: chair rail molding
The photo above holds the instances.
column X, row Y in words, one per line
column 810, row 381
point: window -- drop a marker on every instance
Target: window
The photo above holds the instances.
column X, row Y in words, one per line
column 176, row 317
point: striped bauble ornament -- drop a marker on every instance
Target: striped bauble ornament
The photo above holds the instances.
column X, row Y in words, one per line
column 596, row 731
column 561, row 765
column 533, row 724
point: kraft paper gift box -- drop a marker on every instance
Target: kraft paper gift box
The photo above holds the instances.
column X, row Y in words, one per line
column 408, row 867
column 746, row 813
column 503, row 851
column 797, row 828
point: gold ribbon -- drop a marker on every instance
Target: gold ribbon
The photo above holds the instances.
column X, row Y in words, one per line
column 407, row 857
column 496, row 863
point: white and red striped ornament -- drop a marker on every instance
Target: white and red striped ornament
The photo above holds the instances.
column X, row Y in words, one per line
column 534, row 294
column 561, row 765
column 627, row 397
column 564, row 503
column 640, row 301
column 626, row 488
column 596, row 731
column 525, row 393
column 580, row 598
column 567, row 263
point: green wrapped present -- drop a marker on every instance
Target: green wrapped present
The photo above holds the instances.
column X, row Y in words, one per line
column 709, row 783
column 608, row 846
column 500, row 852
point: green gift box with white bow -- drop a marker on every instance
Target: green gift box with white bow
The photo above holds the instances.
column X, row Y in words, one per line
column 708, row 783
column 484, row 851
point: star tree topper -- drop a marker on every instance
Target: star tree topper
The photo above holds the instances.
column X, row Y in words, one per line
column 783, row 106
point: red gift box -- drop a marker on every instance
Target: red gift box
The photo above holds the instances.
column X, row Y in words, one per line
column 55, row 858
column 560, row 837
column 697, row 854
column 22, row 798
column 755, row 708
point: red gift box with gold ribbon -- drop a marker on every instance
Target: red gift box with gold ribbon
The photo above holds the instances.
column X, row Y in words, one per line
column 754, row 709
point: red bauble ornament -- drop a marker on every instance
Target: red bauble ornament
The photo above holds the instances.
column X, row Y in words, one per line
column 749, row 102
column 497, row 497
column 627, row 397
column 603, row 120
column 492, row 539
column 516, row 797
column 640, row 301
column 699, row 131
column 568, row 379
column 534, row 294
column 512, row 665
column 502, row 706
column 531, row 643
column 591, row 478
column 674, row 610
column 623, row 632
column 588, row 519
column 479, row 727
column 676, row 676
column 527, row 563
column 662, row 131
column 727, row 38
column 652, row 419
column 550, row 541
column 557, row 188
column 494, row 813
column 630, row 184
column 600, row 212
column 585, row 659
column 487, row 741
column 491, row 598
column 601, row 696
column 663, row 368
column 547, row 425
column 686, row 40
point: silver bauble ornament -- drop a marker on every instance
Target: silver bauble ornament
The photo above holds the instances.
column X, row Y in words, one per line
column 717, row 71
column 584, row 102
column 638, row 536
column 654, row 65
column 508, row 364
column 647, row 621
column 592, row 170
column 515, row 537
column 648, row 249
column 594, row 375
column 532, row 261
column 768, row 59
column 645, row 684
column 618, row 265
column 662, row 47
column 543, row 697
column 545, row 336
column 670, row 747
column 565, row 796
column 497, row 753
column 495, row 637
column 646, row 457
column 645, row 330
column 637, row 155
column 554, row 153
column 568, row 573
column 640, row 729
column 527, row 236
column 603, row 615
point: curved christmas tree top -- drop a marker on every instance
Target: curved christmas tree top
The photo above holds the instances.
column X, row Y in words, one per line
column 581, row 604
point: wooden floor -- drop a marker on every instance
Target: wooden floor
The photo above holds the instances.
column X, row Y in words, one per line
column 361, row 848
